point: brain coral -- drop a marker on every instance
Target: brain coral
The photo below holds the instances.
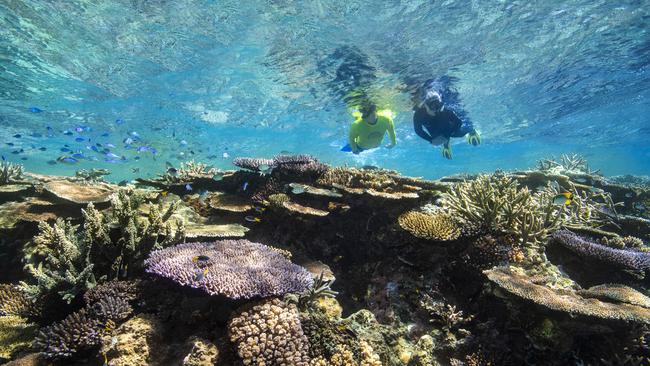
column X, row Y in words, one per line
column 433, row 227
column 234, row 268
column 270, row 334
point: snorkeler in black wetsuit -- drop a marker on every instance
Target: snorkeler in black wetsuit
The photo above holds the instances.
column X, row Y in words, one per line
column 441, row 124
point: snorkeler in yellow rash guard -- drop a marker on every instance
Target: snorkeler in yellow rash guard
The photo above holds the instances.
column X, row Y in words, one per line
column 368, row 130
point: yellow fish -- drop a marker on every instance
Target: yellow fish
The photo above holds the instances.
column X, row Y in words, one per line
column 564, row 198
column 252, row 219
column 164, row 193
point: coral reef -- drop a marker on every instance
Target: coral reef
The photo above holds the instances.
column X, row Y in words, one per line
column 565, row 300
column 269, row 333
column 14, row 301
column 134, row 343
column 92, row 175
column 59, row 262
column 439, row 227
column 78, row 194
column 82, row 329
column 188, row 172
column 630, row 259
column 234, row 268
column 10, row 172
column 15, row 335
column 254, row 164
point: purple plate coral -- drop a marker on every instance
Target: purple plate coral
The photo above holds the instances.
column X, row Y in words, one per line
column 234, row 268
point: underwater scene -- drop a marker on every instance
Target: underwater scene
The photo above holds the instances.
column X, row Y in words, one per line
column 324, row 183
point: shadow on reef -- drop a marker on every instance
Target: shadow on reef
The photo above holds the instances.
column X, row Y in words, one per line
column 292, row 262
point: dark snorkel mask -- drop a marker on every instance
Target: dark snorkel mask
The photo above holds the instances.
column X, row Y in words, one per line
column 433, row 101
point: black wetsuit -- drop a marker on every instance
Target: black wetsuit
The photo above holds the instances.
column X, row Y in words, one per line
column 444, row 123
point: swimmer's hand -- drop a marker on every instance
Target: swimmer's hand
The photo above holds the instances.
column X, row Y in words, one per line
column 473, row 138
column 446, row 150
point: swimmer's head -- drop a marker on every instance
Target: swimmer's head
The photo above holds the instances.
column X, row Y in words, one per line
column 367, row 110
column 432, row 100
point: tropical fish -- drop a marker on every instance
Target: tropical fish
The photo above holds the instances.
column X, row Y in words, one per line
column 42, row 148
column 225, row 155
column 564, row 198
column 37, row 135
column 119, row 121
column 264, row 169
column 200, row 274
column 51, row 162
column 217, row 177
column 164, row 193
column 65, row 149
column 123, row 183
column 18, row 136
column 135, row 170
column 80, row 139
column 35, row 110
column 188, row 187
column 67, row 160
column 68, row 133
column 252, row 219
column 245, row 186
column 297, row 188
column 200, row 258
column 10, row 143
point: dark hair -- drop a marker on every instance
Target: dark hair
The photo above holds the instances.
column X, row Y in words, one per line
column 367, row 109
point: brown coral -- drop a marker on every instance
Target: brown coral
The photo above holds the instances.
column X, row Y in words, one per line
column 433, row 227
column 616, row 292
column 565, row 300
column 13, row 301
column 268, row 334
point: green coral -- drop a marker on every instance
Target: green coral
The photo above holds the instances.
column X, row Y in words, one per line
column 15, row 335
column 59, row 261
column 112, row 244
column 10, row 172
column 123, row 237
column 495, row 203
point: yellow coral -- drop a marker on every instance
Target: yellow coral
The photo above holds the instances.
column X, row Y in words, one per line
column 433, row 227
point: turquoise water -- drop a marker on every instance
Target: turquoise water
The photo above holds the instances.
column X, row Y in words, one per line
column 213, row 80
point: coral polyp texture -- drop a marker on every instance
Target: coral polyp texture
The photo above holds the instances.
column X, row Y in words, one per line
column 233, row 268
column 630, row 259
column 13, row 301
column 270, row 334
column 438, row 227
column 567, row 301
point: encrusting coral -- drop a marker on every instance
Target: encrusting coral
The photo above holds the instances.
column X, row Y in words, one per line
column 438, row 227
column 630, row 259
column 268, row 334
column 10, row 172
column 234, row 268
column 59, row 262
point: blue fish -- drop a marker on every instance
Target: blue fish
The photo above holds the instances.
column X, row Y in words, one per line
column 183, row 142
column 105, row 134
column 143, row 149
column 18, row 136
column 37, row 135
column 51, row 162
column 245, row 186
column 188, row 187
column 67, row 159
column 136, row 158
column 49, row 128
column 78, row 156
column 35, row 110
column 112, row 155
column 23, row 158
column 65, row 149
column 94, row 148
column 110, row 145
column 128, row 141
column 3, row 158
column 112, row 161
column 80, row 129
column 80, row 139
column 10, row 143
column 42, row 148
column 119, row 121
column 135, row 134
column 68, row 133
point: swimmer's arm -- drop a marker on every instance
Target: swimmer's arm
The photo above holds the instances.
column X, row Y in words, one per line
column 352, row 137
column 391, row 132
column 417, row 126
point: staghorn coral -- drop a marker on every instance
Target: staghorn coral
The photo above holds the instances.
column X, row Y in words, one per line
column 567, row 301
column 566, row 163
column 10, row 172
column 59, row 262
column 269, row 333
column 135, row 237
column 629, row 259
column 444, row 314
column 234, row 268
column 496, row 204
column 82, row 329
column 188, row 172
column 433, row 227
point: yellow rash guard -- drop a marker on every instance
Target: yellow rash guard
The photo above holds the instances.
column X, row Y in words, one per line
column 364, row 136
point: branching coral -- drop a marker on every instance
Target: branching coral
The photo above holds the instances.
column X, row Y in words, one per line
column 438, row 227
column 496, row 204
column 92, row 175
column 630, row 259
column 137, row 236
column 14, row 301
column 320, row 288
column 234, row 268
column 188, row 172
column 269, row 333
column 59, row 261
column 10, row 172
column 82, row 329
column 15, row 336
column 253, row 164
column 566, row 162
column 444, row 314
